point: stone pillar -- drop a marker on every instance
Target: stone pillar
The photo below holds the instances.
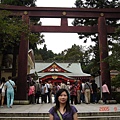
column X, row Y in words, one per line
column 22, row 63
column 103, row 49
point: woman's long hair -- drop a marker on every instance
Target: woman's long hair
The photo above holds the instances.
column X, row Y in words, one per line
column 3, row 80
column 57, row 106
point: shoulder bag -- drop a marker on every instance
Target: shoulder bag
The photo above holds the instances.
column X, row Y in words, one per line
column 89, row 87
column 60, row 116
column 49, row 90
column 14, row 87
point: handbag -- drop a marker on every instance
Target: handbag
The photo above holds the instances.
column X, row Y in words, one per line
column 60, row 116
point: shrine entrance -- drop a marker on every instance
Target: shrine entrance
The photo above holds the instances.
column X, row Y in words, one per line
column 63, row 13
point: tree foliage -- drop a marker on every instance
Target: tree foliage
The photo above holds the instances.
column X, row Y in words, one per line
column 74, row 53
column 34, row 38
column 45, row 54
column 11, row 29
column 116, row 81
column 92, row 22
column 114, row 58
column 28, row 3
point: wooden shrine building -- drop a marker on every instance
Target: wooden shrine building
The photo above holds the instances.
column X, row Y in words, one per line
column 59, row 72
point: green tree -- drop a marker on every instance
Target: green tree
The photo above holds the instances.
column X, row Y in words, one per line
column 12, row 29
column 10, row 32
column 92, row 22
column 74, row 54
column 116, row 81
column 114, row 58
column 19, row 2
column 78, row 54
column 46, row 55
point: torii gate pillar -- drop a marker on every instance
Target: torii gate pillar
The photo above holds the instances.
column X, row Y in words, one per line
column 103, row 48
column 22, row 63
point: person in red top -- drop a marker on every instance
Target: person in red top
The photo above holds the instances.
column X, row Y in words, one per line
column 73, row 93
column 31, row 93
column 105, row 92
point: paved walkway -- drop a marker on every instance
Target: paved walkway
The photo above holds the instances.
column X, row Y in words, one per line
column 43, row 108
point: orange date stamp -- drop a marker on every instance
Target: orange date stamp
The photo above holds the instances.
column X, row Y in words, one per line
column 115, row 109
column 104, row 108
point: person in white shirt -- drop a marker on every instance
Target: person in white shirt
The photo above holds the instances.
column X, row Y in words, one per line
column 82, row 92
column 47, row 93
column 3, row 91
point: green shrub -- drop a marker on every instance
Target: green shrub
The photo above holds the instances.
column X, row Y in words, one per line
column 116, row 96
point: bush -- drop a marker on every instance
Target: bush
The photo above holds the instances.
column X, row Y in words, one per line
column 116, row 96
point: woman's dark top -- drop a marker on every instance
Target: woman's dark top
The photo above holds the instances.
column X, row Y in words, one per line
column 65, row 116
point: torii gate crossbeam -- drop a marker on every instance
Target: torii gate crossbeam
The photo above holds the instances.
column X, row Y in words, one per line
column 61, row 12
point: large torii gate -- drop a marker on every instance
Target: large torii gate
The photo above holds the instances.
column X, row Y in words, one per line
column 64, row 13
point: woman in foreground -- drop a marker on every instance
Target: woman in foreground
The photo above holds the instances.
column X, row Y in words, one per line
column 63, row 110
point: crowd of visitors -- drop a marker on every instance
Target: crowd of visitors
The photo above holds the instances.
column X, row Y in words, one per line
column 45, row 92
column 79, row 91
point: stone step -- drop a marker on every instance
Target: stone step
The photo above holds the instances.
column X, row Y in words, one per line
column 45, row 116
column 79, row 118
